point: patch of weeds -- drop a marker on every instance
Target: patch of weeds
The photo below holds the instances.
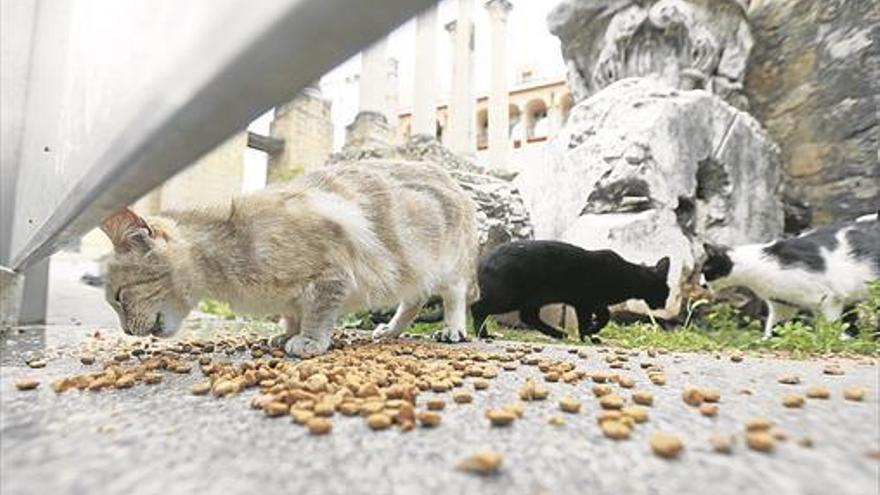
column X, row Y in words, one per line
column 216, row 308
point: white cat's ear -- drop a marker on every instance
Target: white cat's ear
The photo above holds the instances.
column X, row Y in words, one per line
column 662, row 266
column 127, row 230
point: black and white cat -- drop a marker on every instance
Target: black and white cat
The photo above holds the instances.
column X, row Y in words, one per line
column 823, row 270
column 526, row 275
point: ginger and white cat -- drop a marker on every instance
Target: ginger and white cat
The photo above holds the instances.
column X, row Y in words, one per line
column 332, row 241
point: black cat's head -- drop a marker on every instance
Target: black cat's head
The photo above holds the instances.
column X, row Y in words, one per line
column 718, row 263
column 658, row 289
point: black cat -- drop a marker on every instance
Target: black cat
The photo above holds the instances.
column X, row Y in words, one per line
column 526, row 275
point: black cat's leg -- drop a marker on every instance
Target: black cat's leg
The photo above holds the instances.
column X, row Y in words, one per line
column 529, row 315
column 602, row 318
column 585, row 321
column 478, row 315
column 851, row 323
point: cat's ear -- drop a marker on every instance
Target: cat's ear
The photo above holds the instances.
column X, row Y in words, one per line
column 662, row 267
column 128, row 231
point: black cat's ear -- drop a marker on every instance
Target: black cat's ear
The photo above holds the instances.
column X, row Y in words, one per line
column 662, row 266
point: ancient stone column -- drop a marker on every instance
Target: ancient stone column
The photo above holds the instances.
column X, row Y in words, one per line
column 305, row 126
column 499, row 98
column 370, row 128
column 425, row 91
column 461, row 104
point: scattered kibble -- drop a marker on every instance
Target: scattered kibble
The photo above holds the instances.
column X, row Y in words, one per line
column 37, row 363
column 428, row 419
column 833, row 369
column 611, row 401
column 275, row 409
column 462, row 397
column 319, row 426
column 378, row 421
column 818, row 392
column 87, row 358
column 483, row 463
column 854, row 393
column 758, row 424
column 555, row 421
column 570, row 405
column 435, row 404
column 709, row 410
column 643, row 397
column 500, row 417
column 789, row 379
column 692, row 396
column 617, row 430
column 793, row 401
column 761, row 441
column 638, row 414
column 200, row 388
column 600, row 390
column 666, row 445
column 27, row 384
column 481, row 384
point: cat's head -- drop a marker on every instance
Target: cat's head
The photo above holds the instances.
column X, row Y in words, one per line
column 657, row 290
column 141, row 276
column 718, row 264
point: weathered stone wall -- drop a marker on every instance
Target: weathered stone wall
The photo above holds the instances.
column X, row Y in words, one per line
column 814, row 82
column 307, row 130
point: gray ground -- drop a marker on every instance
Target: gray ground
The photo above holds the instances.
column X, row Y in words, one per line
column 161, row 439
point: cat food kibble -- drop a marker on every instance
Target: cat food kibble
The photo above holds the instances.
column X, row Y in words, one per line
column 611, row 401
column 692, row 396
column 617, row 430
column 643, row 397
column 818, row 392
column 626, row 382
column 428, row 419
column 378, row 421
column 26, row 384
column 789, row 379
column 709, row 410
column 275, row 409
column 793, row 401
column 483, row 463
column 481, row 384
column 854, row 393
column 833, row 369
column 462, row 397
column 87, row 358
column 761, row 441
column 758, row 424
column 301, row 416
column 319, row 426
column 666, row 445
column 710, row 394
column 200, row 388
column 638, row 414
column 600, row 390
column 555, row 421
column 435, row 404
column 570, row 405
column 500, row 417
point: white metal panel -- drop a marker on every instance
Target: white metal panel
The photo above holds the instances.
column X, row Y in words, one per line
column 122, row 94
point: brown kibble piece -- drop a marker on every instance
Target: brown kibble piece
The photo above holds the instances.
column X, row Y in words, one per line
column 428, row 419
column 274, row 409
column 154, row 378
column 500, row 417
column 626, row 382
column 611, row 401
column 483, row 463
column 711, row 394
column 570, row 405
column 301, row 416
column 87, row 358
column 27, row 384
column 638, row 414
column 692, row 396
column 37, row 363
column 378, row 421
column 761, row 441
column 854, row 393
column 806, row 442
column 833, row 369
column 319, row 426
column 709, row 410
column 223, row 387
column 435, row 404
column 462, row 397
column 601, row 390
column 666, row 445
column 789, row 379
column 481, row 384
column 200, row 388
column 793, row 401
column 818, row 393
column 617, row 430
column 736, row 357
column 555, row 421
column 125, row 381
column 643, row 397
column 722, row 443
column 657, row 378
column 758, row 424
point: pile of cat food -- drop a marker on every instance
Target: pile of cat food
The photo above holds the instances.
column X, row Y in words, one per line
column 380, row 383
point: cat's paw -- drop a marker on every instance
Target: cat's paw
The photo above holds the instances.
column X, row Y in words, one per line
column 305, row 346
column 450, row 335
column 382, row 331
column 278, row 341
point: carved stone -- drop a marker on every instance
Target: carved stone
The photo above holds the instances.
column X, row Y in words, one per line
column 688, row 44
